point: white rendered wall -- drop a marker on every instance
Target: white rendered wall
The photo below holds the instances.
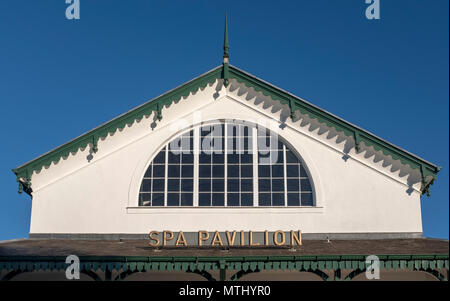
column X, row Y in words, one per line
column 101, row 196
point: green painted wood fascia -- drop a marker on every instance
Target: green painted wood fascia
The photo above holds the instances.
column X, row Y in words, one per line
column 224, row 258
column 224, row 263
column 226, row 71
column 295, row 104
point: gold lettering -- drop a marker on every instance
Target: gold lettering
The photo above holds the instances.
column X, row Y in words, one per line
column 250, row 240
column 275, row 238
column 181, row 239
column 167, row 235
column 266, row 238
column 216, row 239
column 242, row 238
column 231, row 239
column 152, row 238
column 298, row 238
column 202, row 237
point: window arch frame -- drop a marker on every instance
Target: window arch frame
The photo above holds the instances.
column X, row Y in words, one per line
column 195, row 128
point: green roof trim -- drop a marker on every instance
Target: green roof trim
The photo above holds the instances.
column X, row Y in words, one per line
column 318, row 264
column 24, row 172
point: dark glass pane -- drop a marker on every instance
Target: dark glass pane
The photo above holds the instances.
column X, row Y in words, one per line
column 218, row 199
column 187, row 158
column 290, row 157
column 205, row 171
column 218, row 158
column 280, row 144
column 274, row 142
column 247, row 130
column 292, row 170
column 264, row 184
column 218, row 185
column 231, row 130
column 158, row 171
column 144, row 199
column 233, row 158
column 218, row 144
column 218, row 130
column 186, row 199
column 233, row 171
column 247, row 185
column 173, row 199
column 307, row 199
column 218, row 171
column 246, row 171
column 293, row 199
column 277, row 199
column 206, row 130
column 263, row 143
column 146, row 187
column 233, row 199
column 230, row 145
column 233, row 185
column 174, row 157
column 158, row 199
column 173, row 185
column 148, row 173
column 277, row 171
column 186, row 143
column 204, row 199
column 160, row 157
column 204, row 158
column 204, row 185
column 264, row 199
column 305, row 185
column 292, row 185
column 280, row 158
column 187, row 171
column 247, row 199
column 264, row 158
column 187, row 185
column 303, row 172
column 264, row 171
column 246, row 158
column 173, row 171
column 158, row 185
column 238, row 145
column 277, row 185
column 248, row 145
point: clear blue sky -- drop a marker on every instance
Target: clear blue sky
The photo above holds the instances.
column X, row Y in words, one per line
column 60, row 78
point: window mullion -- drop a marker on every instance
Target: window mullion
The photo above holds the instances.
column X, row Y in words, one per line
column 225, row 162
column 196, row 149
column 255, row 166
column 285, row 175
column 166, row 174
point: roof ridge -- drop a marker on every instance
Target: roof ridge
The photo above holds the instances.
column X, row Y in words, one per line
column 225, row 71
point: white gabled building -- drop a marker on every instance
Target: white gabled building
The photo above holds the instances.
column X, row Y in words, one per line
column 231, row 161
column 321, row 174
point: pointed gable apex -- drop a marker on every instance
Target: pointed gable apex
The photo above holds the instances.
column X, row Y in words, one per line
column 225, row 72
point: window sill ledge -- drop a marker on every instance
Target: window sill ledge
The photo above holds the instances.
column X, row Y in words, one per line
column 227, row 210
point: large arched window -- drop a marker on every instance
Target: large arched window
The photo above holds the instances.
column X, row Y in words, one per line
column 226, row 164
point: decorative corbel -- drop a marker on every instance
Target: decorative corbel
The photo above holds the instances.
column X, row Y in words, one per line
column 357, row 141
column 158, row 112
column 20, row 185
column 95, row 143
column 292, row 108
column 226, row 75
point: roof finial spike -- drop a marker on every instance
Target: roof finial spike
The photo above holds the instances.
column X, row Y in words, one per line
column 226, row 56
column 225, row 43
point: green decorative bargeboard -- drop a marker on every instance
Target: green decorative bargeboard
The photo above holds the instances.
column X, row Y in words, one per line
column 225, row 73
column 328, row 267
